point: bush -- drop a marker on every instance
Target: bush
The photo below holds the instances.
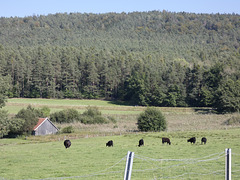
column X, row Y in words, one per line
column 4, row 123
column 93, row 116
column 65, row 116
column 151, row 120
column 45, row 111
column 92, row 111
column 16, row 126
column 30, row 117
column 68, row 129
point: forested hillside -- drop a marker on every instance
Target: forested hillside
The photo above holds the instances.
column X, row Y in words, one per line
column 145, row 58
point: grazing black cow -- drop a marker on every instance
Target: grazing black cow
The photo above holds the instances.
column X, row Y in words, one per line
column 192, row 140
column 204, row 140
column 166, row 140
column 109, row 143
column 141, row 143
column 67, row 143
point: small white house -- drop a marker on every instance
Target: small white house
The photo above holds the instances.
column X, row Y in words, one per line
column 44, row 127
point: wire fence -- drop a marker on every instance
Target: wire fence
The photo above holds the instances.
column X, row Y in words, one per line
column 208, row 167
column 182, row 168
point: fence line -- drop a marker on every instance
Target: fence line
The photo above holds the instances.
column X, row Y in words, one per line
column 163, row 164
column 185, row 161
column 156, row 167
column 181, row 163
column 235, row 154
column 192, row 159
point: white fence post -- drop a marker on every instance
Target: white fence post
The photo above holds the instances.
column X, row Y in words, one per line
column 128, row 168
column 228, row 160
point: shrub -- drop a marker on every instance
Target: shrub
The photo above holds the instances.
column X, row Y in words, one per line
column 45, row 111
column 68, row 129
column 92, row 111
column 30, row 115
column 65, row 116
column 16, row 126
column 93, row 116
column 4, row 123
column 151, row 120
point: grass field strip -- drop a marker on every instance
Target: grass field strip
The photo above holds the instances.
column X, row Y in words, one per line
column 180, row 165
column 158, row 168
column 202, row 169
column 235, row 166
column 99, row 173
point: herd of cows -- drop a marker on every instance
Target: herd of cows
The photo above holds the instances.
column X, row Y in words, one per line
column 67, row 143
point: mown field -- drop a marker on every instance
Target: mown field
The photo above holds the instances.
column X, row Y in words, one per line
column 106, row 107
column 89, row 158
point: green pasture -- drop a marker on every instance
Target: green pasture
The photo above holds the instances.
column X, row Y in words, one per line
column 14, row 105
column 89, row 158
column 64, row 102
column 45, row 157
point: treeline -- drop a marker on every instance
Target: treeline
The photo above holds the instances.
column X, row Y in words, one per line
column 54, row 72
column 146, row 58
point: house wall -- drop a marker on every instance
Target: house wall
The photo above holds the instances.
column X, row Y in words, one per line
column 46, row 128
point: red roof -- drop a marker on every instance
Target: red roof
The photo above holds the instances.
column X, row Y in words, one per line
column 40, row 121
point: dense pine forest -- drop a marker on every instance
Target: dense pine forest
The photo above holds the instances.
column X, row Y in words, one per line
column 144, row 58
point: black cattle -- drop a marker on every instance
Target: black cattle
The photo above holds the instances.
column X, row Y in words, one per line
column 204, row 140
column 67, row 143
column 141, row 143
column 166, row 140
column 192, row 140
column 109, row 143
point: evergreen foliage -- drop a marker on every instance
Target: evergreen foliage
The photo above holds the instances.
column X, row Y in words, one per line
column 146, row 58
column 228, row 96
column 4, row 88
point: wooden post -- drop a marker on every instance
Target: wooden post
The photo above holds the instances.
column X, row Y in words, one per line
column 128, row 168
column 228, row 160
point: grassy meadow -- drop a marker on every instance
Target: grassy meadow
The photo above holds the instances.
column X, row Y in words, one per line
column 88, row 158
column 45, row 157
